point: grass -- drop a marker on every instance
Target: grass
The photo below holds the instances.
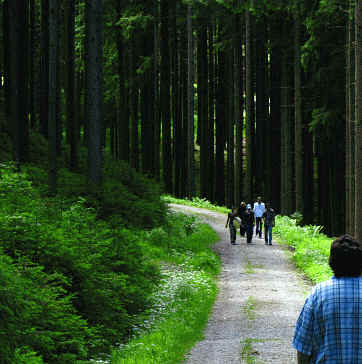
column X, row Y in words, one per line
column 181, row 305
column 248, row 353
column 249, row 308
column 309, row 245
column 196, row 202
column 250, row 269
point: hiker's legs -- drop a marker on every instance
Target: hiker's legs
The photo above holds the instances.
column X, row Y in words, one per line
column 259, row 226
column 249, row 234
column 232, row 233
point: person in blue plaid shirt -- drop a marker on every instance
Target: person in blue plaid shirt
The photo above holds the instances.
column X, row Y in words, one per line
column 329, row 328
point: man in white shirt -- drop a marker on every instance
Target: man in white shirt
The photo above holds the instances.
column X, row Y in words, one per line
column 259, row 209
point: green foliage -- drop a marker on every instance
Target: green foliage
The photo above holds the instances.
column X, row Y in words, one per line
column 75, row 282
column 180, row 306
column 196, row 202
column 310, row 247
column 131, row 198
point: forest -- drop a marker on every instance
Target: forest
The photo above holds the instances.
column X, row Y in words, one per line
column 225, row 100
column 106, row 105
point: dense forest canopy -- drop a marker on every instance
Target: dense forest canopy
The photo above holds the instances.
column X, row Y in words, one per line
column 220, row 99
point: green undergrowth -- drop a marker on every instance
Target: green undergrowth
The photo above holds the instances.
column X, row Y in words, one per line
column 196, row 202
column 79, row 274
column 181, row 304
column 309, row 245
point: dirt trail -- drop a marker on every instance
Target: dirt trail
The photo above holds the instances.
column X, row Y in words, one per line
column 260, row 297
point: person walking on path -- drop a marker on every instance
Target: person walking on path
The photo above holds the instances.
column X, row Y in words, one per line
column 259, row 209
column 248, row 222
column 241, row 211
column 329, row 328
column 269, row 222
column 231, row 223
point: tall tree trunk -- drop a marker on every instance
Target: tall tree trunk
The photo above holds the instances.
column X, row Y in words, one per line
column 202, row 98
column 123, row 120
column 134, row 103
column 350, row 61
column 70, row 92
column 220, row 130
column 157, row 116
column 298, row 155
column 165, row 98
column 177, row 105
column 211, row 114
column 261, row 105
column 275, row 109
column 248, row 109
column 286, row 138
column 238, row 115
column 94, row 88
column 148, row 100
column 358, row 103
column 44, row 68
column 32, row 57
column 18, row 78
column 53, row 88
column 190, row 106
column 7, row 75
column 230, row 173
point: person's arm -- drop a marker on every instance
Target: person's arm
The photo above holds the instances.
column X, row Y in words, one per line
column 227, row 221
column 302, row 358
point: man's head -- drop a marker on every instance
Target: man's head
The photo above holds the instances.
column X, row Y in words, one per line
column 242, row 204
column 346, row 257
column 248, row 206
column 258, row 199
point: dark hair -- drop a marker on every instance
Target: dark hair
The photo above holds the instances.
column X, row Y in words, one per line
column 345, row 257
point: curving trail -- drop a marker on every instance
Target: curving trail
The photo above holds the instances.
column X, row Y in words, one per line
column 260, row 297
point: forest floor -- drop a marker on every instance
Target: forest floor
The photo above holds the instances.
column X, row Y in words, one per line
column 260, row 297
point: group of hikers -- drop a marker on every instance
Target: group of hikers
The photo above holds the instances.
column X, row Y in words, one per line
column 248, row 217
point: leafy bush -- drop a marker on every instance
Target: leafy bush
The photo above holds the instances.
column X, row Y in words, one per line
column 95, row 277
column 130, row 198
column 36, row 313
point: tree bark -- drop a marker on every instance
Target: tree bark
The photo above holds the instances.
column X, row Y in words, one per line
column 298, row 154
column 94, row 88
column 349, row 222
column 44, row 66
column 190, row 106
column 275, row 110
column 358, row 105
column 202, row 98
column 165, row 98
column 220, row 130
column 70, row 91
column 248, row 109
column 52, row 93
column 18, row 78
column 123, row 139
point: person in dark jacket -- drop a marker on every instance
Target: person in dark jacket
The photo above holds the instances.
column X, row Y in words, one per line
column 241, row 211
column 269, row 222
column 248, row 222
column 232, row 216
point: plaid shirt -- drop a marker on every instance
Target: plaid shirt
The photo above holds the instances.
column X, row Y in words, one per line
column 329, row 328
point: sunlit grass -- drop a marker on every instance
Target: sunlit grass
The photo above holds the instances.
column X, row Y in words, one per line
column 181, row 305
column 310, row 247
column 180, row 313
column 196, row 202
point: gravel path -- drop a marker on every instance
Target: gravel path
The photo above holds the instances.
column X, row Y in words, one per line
column 260, row 297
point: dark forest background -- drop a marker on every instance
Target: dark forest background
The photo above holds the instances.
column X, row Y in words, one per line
column 224, row 100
